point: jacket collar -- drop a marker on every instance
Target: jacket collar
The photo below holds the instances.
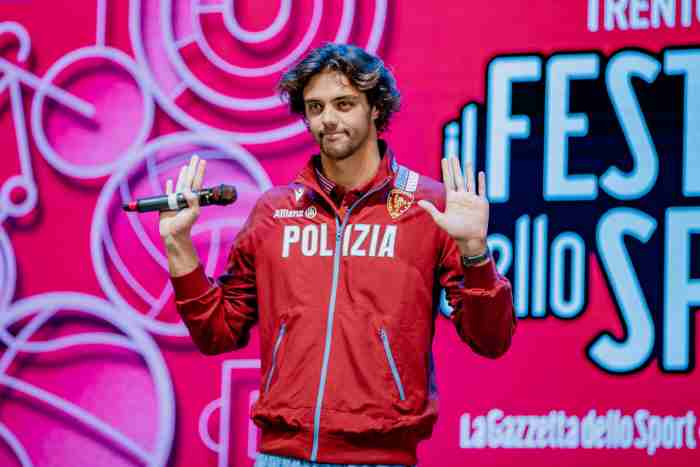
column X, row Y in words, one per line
column 309, row 177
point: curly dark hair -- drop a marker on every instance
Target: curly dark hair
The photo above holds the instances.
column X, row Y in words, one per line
column 365, row 71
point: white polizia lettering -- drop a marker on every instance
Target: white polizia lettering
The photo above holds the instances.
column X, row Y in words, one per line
column 373, row 240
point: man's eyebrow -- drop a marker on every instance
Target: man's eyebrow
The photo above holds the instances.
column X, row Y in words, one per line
column 339, row 98
column 347, row 96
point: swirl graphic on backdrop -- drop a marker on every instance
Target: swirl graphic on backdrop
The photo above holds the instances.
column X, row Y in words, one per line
column 19, row 193
column 64, row 354
column 122, row 115
column 124, row 110
column 126, row 249
column 90, row 109
column 8, row 270
column 211, row 73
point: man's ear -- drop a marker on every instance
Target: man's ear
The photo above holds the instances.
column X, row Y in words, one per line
column 375, row 112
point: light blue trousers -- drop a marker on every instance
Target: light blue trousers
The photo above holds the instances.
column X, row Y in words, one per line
column 269, row 460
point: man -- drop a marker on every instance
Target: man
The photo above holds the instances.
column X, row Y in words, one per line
column 342, row 271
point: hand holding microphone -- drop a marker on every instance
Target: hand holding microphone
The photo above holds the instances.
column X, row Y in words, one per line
column 174, row 224
column 219, row 195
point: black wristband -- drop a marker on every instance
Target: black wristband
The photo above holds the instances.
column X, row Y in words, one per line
column 468, row 261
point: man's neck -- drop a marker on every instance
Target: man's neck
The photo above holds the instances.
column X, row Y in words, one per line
column 354, row 171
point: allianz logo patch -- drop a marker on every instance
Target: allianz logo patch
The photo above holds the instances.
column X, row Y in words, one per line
column 308, row 213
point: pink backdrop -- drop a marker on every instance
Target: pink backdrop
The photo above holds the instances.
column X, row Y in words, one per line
column 102, row 100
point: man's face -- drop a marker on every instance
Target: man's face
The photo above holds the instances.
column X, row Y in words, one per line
column 338, row 114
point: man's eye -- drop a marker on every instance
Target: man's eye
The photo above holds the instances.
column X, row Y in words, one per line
column 344, row 105
column 314, row 108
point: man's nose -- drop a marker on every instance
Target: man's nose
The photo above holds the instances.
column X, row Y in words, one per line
column 328, row 117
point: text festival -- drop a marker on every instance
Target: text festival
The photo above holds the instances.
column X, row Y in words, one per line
column 548, row 270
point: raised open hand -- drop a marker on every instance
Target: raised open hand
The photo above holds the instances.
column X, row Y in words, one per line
column 179, row 223
column 466, row 216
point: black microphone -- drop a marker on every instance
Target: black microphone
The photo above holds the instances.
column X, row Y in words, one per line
column 220, row 195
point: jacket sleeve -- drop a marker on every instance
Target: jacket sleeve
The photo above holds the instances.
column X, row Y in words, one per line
column 482, row 302
column 220, row 313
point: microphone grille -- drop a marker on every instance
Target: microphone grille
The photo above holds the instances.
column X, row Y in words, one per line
column 224, row 194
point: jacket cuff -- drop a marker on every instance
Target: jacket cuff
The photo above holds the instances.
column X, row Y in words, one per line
column 192, row 285
column 483, row 276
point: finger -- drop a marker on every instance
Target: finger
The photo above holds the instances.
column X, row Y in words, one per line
column 199, row 176
column 447, row 175
column 458, row 177
column 191, row 170
column 482, row 184
column 432, row 210
column 180, row 186
column 168, row 186
column 471, row 186
column 192, row 200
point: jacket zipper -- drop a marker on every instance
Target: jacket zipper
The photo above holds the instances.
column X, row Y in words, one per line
column 392, row 363
column 278, row 341
column 337, row 253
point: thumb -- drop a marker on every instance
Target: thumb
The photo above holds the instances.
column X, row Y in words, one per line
column 432, row 210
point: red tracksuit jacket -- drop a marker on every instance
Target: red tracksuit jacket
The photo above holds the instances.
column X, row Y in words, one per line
column 346, row 299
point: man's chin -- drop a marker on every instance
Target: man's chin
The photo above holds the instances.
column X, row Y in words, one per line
column 337, row 152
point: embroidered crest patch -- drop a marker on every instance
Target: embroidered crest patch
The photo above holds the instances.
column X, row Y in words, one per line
column 398, row 202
